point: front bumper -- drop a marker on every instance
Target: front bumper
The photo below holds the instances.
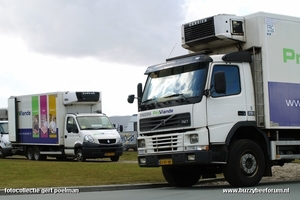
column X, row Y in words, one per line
column 176, row 159
column 93, row 150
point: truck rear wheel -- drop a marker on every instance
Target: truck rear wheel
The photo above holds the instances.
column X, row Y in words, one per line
column 37, row 154
column 29, row 153
column 79, row 155
column 181, row 176
column 245, row 165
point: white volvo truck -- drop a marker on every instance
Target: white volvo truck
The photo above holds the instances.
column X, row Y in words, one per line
column 62, row 125
column 231, row 106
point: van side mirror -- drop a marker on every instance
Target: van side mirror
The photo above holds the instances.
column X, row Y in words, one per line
column 220, row 82
column 121, row 128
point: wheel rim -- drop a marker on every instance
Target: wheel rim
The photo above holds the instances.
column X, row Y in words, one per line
column 36, row 154
column 248, row 164
column 79, row 155
column 30, row 154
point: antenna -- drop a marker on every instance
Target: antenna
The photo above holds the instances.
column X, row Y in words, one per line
column 172, row 50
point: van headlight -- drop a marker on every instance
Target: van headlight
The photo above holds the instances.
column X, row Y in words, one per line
column 88, row 138
column 8, row 144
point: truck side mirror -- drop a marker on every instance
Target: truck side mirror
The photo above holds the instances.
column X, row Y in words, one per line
column 220, row 82
column 130, row 98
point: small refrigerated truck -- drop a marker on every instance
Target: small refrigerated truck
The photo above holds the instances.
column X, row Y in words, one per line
column 231, row 106
column 62, row 125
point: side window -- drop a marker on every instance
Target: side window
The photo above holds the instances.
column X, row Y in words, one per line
column 71, row 125
column 232, row 75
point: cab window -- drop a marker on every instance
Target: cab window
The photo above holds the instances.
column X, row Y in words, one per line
column 232, row 75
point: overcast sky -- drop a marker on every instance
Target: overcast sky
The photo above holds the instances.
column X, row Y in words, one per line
column 100, row 45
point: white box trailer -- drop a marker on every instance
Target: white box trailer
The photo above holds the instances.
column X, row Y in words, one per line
column 63, row 125
column 230, row 106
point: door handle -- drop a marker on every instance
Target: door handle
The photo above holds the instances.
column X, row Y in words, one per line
column 241, row 113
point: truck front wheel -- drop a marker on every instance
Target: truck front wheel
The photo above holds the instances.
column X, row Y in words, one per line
column 245, row 165
column 79, row 155
column 181, row 176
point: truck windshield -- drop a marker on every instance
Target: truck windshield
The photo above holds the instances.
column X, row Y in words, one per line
column 180, row 82
column 3, row 128
column 94, row 123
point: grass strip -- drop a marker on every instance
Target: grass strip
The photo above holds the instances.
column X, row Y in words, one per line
column 19, row 172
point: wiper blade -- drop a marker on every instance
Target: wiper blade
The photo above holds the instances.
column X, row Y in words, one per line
column 175, row 95
column 148, row 100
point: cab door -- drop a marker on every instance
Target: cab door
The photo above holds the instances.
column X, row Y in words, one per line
column 71, row 135
column 227, row 108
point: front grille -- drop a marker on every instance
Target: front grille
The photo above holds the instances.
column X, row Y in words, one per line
column 199, row 31
column 107, row 141
column 168, row 143
column 165, row 122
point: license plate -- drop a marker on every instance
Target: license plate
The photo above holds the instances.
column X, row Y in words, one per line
column 165, row 162
column 109, row 154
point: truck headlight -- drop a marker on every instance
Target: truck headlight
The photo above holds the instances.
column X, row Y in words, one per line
column 141, row 143
column 194, row 138
column 88, row 138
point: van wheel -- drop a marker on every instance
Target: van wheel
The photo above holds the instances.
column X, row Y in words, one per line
column 245, row 165
column 181, row 176
column 114, row 158
column 79, row 155
column 2, row 154
column 29, row 153
column 37, row 154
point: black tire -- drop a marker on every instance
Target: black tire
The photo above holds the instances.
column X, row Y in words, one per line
column 29, row 153
column 79, row 156
column 181, row 176
column 37, row 154
column 114, row 158
column 2, row 154
column 245, row 165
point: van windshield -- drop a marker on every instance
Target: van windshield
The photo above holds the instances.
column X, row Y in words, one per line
column 4, row 128
column 94, row 123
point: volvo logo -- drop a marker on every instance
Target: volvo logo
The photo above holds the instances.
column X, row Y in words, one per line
column 184, row 121
column 108, row 141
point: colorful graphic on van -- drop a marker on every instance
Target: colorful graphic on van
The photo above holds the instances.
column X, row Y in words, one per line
column 284, row 101
column 44, row 114
column 34, row 125
column 52, row 117
column 35, row 117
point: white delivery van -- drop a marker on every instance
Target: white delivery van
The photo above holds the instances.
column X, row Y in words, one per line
column 62, row 125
